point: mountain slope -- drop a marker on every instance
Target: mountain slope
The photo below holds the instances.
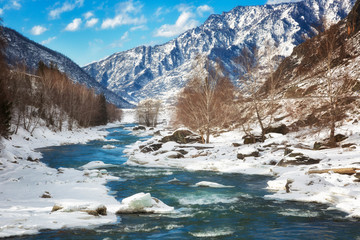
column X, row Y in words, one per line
column 306, row 66
column 318, row 85
column 160, row 71
column 22, row 50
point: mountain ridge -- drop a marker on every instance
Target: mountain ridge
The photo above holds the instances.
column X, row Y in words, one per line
column 162, row 70
column 21, row 49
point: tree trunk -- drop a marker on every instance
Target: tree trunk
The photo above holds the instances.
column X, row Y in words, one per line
column 332, row 141
column 260, row 121
column 207, row 134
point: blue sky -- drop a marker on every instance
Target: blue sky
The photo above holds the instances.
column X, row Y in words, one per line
column 89, row 30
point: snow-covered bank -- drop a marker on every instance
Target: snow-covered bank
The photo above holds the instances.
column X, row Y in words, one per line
column 288, row 158
column 34, row 196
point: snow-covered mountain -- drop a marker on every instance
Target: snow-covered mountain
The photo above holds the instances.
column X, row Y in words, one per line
column 160, row 71
column 22, row 50
column 303, row 72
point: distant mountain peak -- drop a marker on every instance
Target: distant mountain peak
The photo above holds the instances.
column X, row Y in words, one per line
column 161, row 71
column 23, row 50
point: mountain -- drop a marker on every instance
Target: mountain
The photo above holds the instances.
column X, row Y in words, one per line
column 161, row 71
column 306, row 68
column 22, row 50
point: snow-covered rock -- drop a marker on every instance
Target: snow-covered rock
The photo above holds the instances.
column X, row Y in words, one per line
column 95, row 165
column 143, row 203
column 108, row 146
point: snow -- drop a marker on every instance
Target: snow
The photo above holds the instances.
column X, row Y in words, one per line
column 29, row 189
column 211, row 184
column 108, row 146
column 163, row 74
column 213, row 233
column 292, row 182
column 143, row 203
column 96, row 164
column 34, row 196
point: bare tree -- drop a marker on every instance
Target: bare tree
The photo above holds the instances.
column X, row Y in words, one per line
column 258, row 87
column 251, row 84
column 147, row 112
column 207, row 99
column 337, row 89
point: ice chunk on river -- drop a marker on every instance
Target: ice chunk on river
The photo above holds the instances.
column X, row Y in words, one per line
column 95, row 165
column 108, row 146
column 143, row 203
column 211, row 184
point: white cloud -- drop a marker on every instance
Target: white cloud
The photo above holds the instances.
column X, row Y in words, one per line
column 125, row 36
column 203, row 9
column 15, row 5
column 88, row 15
column 74, row 25
column 161, row 11
column 66, row 7
column 38, row 30
column 91, row 22
column 10, row 5
column 122, row 19
column 120, row 43
column 96, row 43
column 281, row 1
column 125, row 15
column 140, row 27
column 184, row 22
column 47, row 41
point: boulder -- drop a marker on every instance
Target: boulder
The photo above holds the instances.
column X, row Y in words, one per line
column 247, row 152
column 250, row 139
column 340, row 137
column 319, row 146
column 243, row 156
column 183, row 137
column 357, row 176
column 101, row 210
column 176, row 156
column 236, row 144
column 151, row 148
column 56, row 208
column 30, row 159
column 46, row 195
column 297, row 159
column 282, row 129
column 139, row 128
column 182, row 151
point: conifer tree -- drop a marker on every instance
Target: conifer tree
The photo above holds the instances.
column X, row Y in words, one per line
column 5, row 105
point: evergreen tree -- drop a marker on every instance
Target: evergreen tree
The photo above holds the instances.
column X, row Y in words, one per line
column 102, row 117
column 5, row 111
column 5, row 105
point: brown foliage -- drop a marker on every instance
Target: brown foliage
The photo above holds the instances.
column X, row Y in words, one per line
column 50, row 96
column 147, row 112
column 207, row 100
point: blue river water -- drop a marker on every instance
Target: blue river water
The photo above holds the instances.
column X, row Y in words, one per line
column 240, row 212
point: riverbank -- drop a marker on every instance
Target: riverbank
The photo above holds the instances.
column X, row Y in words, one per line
column 31, row 192
column 288, row 158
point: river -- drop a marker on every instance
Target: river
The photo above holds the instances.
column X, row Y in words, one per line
column 239, row 212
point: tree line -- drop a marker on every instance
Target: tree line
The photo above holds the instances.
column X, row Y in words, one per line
column 48, row 97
